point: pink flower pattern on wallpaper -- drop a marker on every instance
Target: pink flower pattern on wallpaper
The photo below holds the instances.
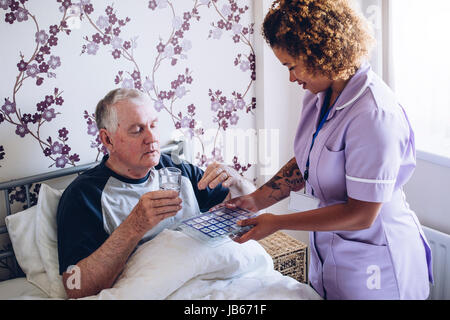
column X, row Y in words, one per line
column 36, row 68
column 167, row 97
column 2, row 150
column 170, row 97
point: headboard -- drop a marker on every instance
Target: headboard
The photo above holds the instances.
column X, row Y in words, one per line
column 175, row 149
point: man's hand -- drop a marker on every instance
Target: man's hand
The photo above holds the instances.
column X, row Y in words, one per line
column 153, row 207
column 217, row 173
column 99, row 270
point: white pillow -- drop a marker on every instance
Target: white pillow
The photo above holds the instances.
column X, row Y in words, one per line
column 21, row 228
column 47, row 238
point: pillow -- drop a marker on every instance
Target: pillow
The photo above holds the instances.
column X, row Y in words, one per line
column 47, row 238
column 21, row 228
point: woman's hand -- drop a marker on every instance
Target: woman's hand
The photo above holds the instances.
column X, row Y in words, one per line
column 249, row 202
column 264, row 225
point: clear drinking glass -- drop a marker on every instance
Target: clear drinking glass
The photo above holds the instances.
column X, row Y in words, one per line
column 170, row 179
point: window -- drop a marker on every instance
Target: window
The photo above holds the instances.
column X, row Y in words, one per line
column 420, row 49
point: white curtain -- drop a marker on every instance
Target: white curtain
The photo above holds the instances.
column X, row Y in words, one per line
column 412, row 56
column 372, row 10
column 421, row 66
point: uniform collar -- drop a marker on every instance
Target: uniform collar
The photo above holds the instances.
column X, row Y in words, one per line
column 352, row 91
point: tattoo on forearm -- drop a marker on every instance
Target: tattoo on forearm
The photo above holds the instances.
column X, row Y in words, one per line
column 288, row 179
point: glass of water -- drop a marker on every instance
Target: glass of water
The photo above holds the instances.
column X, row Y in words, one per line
column 170, row 179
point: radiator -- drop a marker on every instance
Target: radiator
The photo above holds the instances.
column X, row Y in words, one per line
column 440, row 249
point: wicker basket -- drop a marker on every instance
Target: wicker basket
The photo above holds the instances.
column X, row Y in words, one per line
column 289, row 255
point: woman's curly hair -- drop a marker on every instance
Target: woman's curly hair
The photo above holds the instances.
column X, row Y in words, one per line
column 329, row 36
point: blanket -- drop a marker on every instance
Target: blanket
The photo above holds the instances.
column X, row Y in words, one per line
column 176, row 266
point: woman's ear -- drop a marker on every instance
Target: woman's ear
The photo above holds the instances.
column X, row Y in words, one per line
column 106, row 139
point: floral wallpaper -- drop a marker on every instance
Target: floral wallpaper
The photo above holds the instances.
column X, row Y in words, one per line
column 42, row 127
column 195, row 60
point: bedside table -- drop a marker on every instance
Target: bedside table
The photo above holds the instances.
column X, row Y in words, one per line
column 289, row 255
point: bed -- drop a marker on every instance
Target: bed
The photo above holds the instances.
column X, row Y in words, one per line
column 172, row 266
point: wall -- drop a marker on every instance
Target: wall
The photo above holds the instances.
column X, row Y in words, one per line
column 194, row 58
column 427, row 193
column 279, row 108
column 60, row 58
column 277, row 99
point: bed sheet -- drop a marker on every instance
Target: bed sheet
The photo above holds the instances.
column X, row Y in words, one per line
column 20, row 288
column 175, row 266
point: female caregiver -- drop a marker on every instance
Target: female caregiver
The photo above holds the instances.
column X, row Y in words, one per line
column 354, row 151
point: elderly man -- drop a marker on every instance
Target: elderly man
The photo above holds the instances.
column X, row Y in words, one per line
column 110, row 209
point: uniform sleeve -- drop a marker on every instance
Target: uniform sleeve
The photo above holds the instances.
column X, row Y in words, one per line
column 375, row 144
column 80, row 225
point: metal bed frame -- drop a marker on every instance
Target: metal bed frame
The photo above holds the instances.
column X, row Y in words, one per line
column 175, row 149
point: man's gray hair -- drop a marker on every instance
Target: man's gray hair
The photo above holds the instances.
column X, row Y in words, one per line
column 106, row 113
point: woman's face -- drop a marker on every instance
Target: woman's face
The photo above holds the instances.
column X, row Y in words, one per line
column 298, row 73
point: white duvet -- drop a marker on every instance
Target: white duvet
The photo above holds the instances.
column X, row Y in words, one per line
column 176, row 266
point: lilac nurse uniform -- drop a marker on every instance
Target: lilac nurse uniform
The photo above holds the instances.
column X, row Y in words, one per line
column 365, row 151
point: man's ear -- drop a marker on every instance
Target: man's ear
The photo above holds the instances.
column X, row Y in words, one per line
column 106, row 139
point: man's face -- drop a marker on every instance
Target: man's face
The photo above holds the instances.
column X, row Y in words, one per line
column 135, row 144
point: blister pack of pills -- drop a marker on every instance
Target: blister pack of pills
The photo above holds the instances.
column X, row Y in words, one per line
column 217, row 226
